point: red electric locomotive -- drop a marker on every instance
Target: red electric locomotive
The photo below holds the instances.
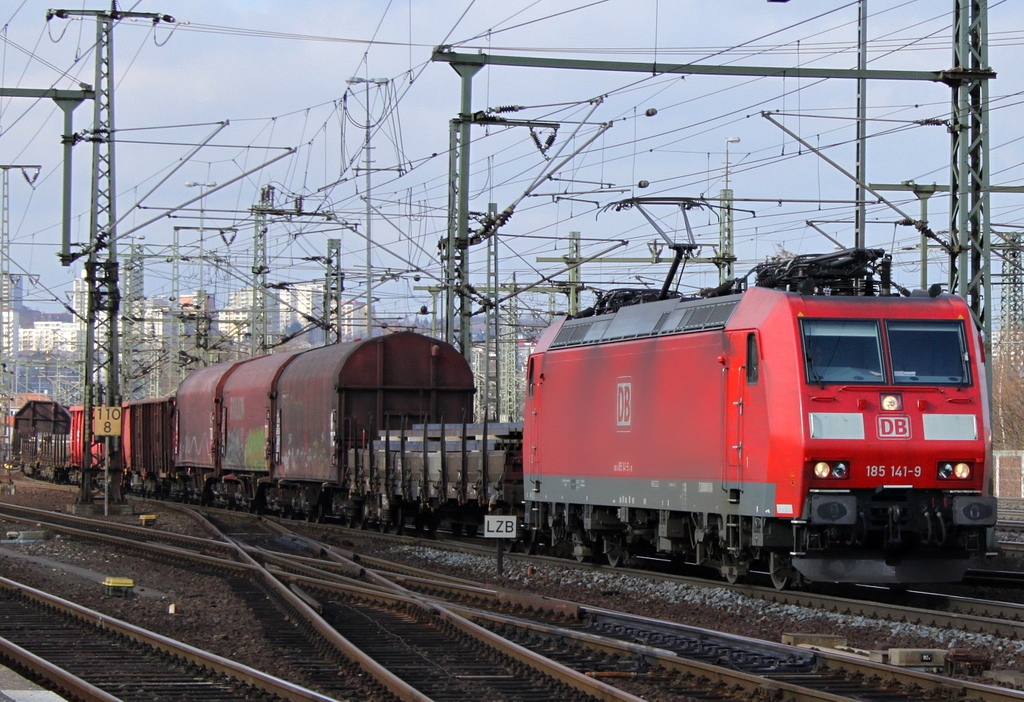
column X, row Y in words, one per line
column 838, row 437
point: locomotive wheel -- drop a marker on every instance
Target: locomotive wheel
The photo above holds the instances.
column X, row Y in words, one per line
column 729, row 570
column 614, row 551
column 580, row 548
column 781, row 570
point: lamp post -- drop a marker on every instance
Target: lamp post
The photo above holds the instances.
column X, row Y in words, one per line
column 725, row 247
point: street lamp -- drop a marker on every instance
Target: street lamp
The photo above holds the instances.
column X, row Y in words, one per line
column 202, row 193
column 728, row 140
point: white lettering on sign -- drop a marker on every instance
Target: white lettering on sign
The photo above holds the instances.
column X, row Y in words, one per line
column 624, row 404
column 499, row 526
column 894, row 427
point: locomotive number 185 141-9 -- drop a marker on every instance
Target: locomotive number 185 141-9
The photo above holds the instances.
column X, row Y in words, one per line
column 893, row 471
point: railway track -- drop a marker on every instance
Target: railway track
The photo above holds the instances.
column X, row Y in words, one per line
column 922, row 607
column 622, row 666
column 93, row 656
column 316, row 664
column 670, row 656
column 436, row 657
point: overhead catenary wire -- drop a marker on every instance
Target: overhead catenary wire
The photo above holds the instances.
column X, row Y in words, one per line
column 520, row 166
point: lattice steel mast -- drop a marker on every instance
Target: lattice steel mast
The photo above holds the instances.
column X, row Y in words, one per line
column 102, row 369
column 969, row 226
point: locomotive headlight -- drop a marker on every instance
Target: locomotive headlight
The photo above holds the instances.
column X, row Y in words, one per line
column 891, row 402
column 962, row 470
column 835, row 470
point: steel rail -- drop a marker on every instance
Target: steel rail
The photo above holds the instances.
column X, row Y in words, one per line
column 211, row 661
column 546, row 666
column 24, row 660
column 962, row 613
column 306, row 609
column 941, row 619
column 854, row 666
column 396, row 599
column 835, row 660
column 32, row 515
column 168, row 552
column 750, row 683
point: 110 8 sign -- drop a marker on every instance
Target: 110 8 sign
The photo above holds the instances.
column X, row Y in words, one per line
column 106, row 421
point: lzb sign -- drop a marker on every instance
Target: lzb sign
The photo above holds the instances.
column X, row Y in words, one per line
column 499, row 526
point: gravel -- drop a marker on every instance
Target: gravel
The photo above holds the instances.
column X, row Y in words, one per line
column 211, row 617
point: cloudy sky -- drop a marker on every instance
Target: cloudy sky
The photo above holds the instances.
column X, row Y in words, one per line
column 251, row 80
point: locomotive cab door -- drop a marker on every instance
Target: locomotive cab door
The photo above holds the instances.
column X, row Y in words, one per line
column 740, row 370
column 532, row 409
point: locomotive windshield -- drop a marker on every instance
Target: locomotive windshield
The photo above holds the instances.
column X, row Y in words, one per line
column 850, row 351
column 842, row 351
column 928, row 353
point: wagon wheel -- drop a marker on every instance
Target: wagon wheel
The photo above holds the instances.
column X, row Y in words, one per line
column 527, row 543
column 353, row 517
column 781, row 570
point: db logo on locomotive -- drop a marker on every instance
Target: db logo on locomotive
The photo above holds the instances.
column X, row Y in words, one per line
column 624, row 405
column 894, row 427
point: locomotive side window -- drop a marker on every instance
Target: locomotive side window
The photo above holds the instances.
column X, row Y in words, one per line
column 752, row 359
column 842, row 351
column 928, row 352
